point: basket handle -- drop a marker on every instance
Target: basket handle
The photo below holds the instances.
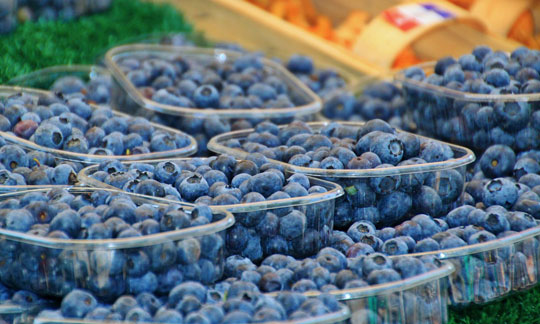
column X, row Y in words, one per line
column 398, row 27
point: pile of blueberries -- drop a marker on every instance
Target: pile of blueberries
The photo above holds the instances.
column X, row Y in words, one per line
column 59, row 214
column 479, row 124
column 15, row 11
column 382, row 200
column 22, row 167
column 500, row 200
column 183, row 82
column 327, row 271
column 242, row 83
column 71, row 124
column 191, row 302
column 380, row 100
column 223, row 180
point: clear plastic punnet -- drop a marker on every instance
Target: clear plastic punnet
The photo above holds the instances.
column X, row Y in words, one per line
column 339, row 317
column 127, row 96
column 45, row 78
column 53, row 266
column 493, row 269
column 443, row 175
column 6, row 91
column 443, row 113
column 318, row 209
column 419, row 299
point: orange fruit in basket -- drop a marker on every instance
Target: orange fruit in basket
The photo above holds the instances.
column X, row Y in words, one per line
column 523, row 30
column 278, row 8
column 406, row 58
column 463, row 3
column 323, row 27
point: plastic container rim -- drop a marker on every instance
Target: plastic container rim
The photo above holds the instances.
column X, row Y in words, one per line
column 499, row 243
column 313, row 106
column 58, row 69
column 88, row 158
column 335, row 191
column 455, row 94
column 441, row 272
column 215, row 145
column 343, row 314
column 11, row 309
column 122, row 243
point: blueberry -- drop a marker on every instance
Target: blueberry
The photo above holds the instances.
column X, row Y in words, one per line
column 48, row 135
column 206, row 96
column 495, row 222
column 481, row 237
column 386, row 184
column 426, row 245
column 19, row 220
column 500, row 191
column 193, row 187
column 448, row 184
column 300, row 64
column 497, row 77
column 266, row 183
column 77, row 304
column 427, row 201
column 292, row 225
column 168, row 316
column 452, row 241
column 432, row 151
column 395, row 246
column 498, row 161
column 394, row 206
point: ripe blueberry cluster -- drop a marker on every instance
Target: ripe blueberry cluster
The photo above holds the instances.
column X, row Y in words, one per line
column 465, row 225
column 373, row 145
column 479, row 122
column 223, row 180
column 330, row 271
column 96, row 90
column 191, row 302
column 72, row 125
column 244, row 82
column 96, row 215
column 327, row 271
column 21, row 167
column 381, row 100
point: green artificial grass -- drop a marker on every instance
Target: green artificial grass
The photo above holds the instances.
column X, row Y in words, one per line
column 37, row 45
column 522, row 308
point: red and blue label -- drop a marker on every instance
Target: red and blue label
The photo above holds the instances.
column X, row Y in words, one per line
column 407, row 17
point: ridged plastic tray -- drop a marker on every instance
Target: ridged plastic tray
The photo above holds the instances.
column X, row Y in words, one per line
column 6, row 91
column 437, row 112
column 45, row 78
column 494, row 269
column 318, row 208
column 50, row 280
column 350, row 177
column 339, row 317
column 419, row 299
column 127, row 96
